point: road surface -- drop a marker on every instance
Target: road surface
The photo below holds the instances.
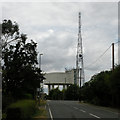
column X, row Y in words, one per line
column 76, row 110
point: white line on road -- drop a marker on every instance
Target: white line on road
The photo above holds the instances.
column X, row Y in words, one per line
column 82, row 110
column 75, row 107
column 50, row 113
column 79, row 109
column 94, row 115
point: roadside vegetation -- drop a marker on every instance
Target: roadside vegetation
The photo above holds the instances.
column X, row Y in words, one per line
column 103, row 89
column 72, row 93
column 20, row 75
column 21, row 109
column 41, row 112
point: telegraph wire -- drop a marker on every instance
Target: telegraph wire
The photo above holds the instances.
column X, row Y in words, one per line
column 117, row 42
column 98, row 57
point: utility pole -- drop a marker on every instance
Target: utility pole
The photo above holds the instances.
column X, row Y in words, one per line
column 112, row 56
column 40, row 78
column 79, row 58
column 40, row 60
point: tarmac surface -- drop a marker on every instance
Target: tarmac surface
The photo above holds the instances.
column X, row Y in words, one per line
column 79, row 111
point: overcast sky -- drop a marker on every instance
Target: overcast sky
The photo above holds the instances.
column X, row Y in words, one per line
column 54, row 26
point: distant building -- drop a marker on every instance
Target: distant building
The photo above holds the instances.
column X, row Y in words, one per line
column 60, row 78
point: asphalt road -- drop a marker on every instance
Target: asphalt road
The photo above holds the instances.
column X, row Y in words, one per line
column 76, row 110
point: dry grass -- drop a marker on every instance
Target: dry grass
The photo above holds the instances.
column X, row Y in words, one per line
column 41, row 111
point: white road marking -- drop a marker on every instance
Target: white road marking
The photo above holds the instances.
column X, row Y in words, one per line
column 79, row 109
column 75, row 107
column 50, row 113
column 104, row 109
column 82, row 110
column 94, row 115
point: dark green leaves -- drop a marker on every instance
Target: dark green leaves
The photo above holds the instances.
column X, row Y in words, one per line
column 20, row 74
column 103, row 88
column 9, row 28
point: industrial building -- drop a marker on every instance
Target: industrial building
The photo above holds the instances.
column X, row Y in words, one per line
column 60, row 78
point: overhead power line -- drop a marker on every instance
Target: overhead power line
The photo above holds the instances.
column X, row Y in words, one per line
column 117, row 42
column 99, row 57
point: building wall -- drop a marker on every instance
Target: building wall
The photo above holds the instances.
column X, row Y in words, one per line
column 55, row 77
column 70, row 76
column 60, row 77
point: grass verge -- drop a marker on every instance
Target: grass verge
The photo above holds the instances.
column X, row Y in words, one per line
column 21, row 109
column 41, row 111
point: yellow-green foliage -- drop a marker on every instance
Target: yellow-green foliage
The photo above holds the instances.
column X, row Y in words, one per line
column 41, row 111
column 26, row 107
column 42, row 102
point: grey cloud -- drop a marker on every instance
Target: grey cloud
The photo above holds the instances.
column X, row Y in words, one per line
column 99, row 30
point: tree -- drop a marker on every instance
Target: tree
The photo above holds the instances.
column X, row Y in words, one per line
column 56, row 94
column 97, row 90
column 20, row 73
column 114, row 84
column 10, row 32
column 72, row 92
column 103, row 88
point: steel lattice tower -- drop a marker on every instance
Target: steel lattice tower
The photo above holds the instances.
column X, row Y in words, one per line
column 79, row 58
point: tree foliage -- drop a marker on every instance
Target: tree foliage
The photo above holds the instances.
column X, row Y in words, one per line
column 103, row 88
column 10, row 32
column 114, row 84
column 71, row 93
column 56, row 94
column 20, row 74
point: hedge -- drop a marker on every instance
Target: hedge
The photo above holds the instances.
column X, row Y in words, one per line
column 21, row 110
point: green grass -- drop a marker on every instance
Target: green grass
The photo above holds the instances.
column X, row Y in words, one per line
column 4, row 115
column 27, row 108
column 42, row 102
column 41, row 111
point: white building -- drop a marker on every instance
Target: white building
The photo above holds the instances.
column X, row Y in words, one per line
column 60, row 78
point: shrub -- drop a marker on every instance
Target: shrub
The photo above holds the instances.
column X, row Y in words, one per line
column 28, row 96
column 22, row 109
column 6, row 101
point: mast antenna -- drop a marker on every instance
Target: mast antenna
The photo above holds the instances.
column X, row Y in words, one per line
column 79, row 58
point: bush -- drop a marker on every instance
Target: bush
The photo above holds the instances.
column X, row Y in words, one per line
column 22, row 109
column 72, row 92
column 56, row 94
column 28, row 96
column 103, row 88
column 6, row 101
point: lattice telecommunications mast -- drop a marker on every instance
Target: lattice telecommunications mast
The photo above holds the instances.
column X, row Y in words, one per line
column 79, row 58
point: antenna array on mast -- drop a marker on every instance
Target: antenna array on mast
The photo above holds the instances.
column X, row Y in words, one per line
column 79, row 58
